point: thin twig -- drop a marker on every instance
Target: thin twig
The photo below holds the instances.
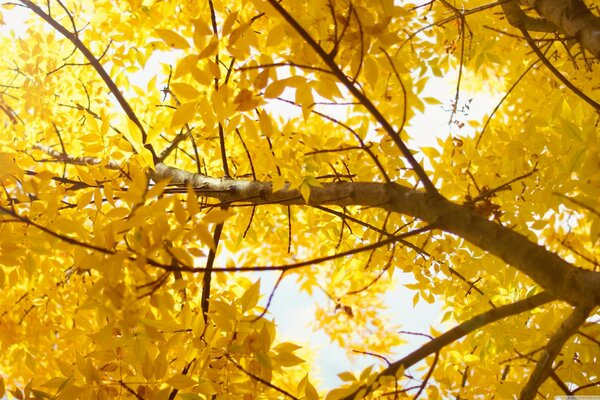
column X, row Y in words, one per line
column 112, row 86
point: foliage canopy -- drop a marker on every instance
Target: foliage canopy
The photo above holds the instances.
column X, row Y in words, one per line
column 132, row 214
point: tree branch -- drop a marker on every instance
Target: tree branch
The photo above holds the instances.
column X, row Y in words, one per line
column 519, row 22
column 567, row 282
column 463, row 329
column 364, row 100
column 574, row 19
column 543, row 366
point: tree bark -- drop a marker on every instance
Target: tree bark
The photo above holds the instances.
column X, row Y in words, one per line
column 567, row 282
column 573, row 18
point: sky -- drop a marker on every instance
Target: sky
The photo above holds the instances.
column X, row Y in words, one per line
column 292, row 310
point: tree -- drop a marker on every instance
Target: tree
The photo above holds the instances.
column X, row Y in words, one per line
column 131, row 217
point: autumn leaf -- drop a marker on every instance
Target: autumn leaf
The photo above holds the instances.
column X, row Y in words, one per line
column 172, row 38
column 183, row 114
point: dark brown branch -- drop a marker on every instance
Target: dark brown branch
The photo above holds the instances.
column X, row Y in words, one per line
column 429, row 373
column 543, row 367
column 579, row 203
column 68, row 159
column 360, row 96
column 206, row 279
column 130, row 390
column 301, row 264
column 557, row 73
column 456, row 333
column 284, row 64
column 363, row 145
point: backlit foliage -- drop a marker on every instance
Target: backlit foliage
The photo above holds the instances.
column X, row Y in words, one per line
column 158, row 156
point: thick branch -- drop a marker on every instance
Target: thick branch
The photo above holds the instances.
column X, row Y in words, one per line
column 435, row 345
column 565, row 281
column 574, row 19
column 543, row 367
column 517, row 18
column 571, row 17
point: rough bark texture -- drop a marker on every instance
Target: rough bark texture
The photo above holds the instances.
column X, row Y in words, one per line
column 574, row 19
column 565, row 281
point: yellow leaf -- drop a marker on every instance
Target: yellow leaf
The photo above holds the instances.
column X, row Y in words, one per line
column 415, row 299
column 275, row 89
column 192, row 201
column 181, row 381
column 245, row 100
column 185, row 65
column 261, row 80
column 185, row 90
column 173, row 39
column 179, row 212
column 86, row 177
column 133, row 135
column 432, row 100
column 203, row 234
column 182, row 256
column 250, row 297
column 2, row 387
column 201, row 27
column 147, row 159
column 8, row 166
column 266, row 125
column 278, row 183
column 147, row 367
column 160, row 365
column 471, row 359
column 84, row 199
column 310, row 391
column 312, row 181
column 305, row 191
column 287, row 359
column 327, row 88
column 346, row 376
column 210, row 49
column 214, row 69
column 157, row 189
column 228, row 24
column 371, row 71
column 286, row 347
column 184, row 114
column 217, row 216
column 201, row 76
